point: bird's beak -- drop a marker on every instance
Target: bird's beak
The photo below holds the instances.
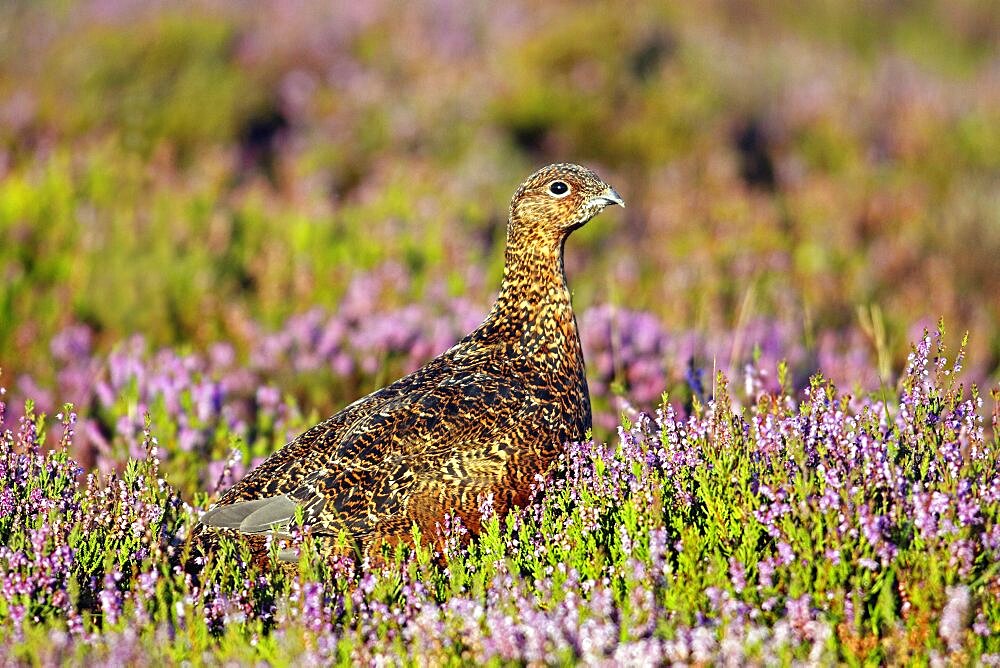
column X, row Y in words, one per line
column 611, row 196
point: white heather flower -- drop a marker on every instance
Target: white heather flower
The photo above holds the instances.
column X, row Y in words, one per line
column 955, row 617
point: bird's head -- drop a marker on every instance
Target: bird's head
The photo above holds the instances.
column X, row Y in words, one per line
column 556, row 200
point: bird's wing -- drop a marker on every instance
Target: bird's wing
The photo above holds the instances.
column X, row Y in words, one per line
column 452, row 433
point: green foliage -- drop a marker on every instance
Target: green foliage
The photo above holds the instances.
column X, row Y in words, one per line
column 167, row 78
column 178, row 173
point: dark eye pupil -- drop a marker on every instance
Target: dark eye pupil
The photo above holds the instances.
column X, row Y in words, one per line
column 558, row 188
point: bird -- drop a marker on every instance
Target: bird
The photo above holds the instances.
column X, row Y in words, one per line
column 482, row 420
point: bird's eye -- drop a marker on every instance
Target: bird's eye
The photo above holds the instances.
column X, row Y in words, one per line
column 558, row 188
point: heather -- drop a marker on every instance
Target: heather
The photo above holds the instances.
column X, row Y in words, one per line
column 218, row 226
column 758, row 524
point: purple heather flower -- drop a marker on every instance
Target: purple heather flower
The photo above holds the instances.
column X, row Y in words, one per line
column 737, row 575
column 111, row 598
column 7, row 502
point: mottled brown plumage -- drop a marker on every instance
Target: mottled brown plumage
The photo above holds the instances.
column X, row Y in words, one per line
column 485, row 417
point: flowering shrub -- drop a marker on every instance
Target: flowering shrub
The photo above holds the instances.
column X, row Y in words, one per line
column 814, row 527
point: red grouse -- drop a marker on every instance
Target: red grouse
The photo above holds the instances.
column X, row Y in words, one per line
column 485, row 417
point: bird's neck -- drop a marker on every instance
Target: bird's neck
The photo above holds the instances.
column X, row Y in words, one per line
column 533, row 281
column 533, row 309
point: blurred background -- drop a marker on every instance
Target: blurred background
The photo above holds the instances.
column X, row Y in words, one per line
column 243, row 184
